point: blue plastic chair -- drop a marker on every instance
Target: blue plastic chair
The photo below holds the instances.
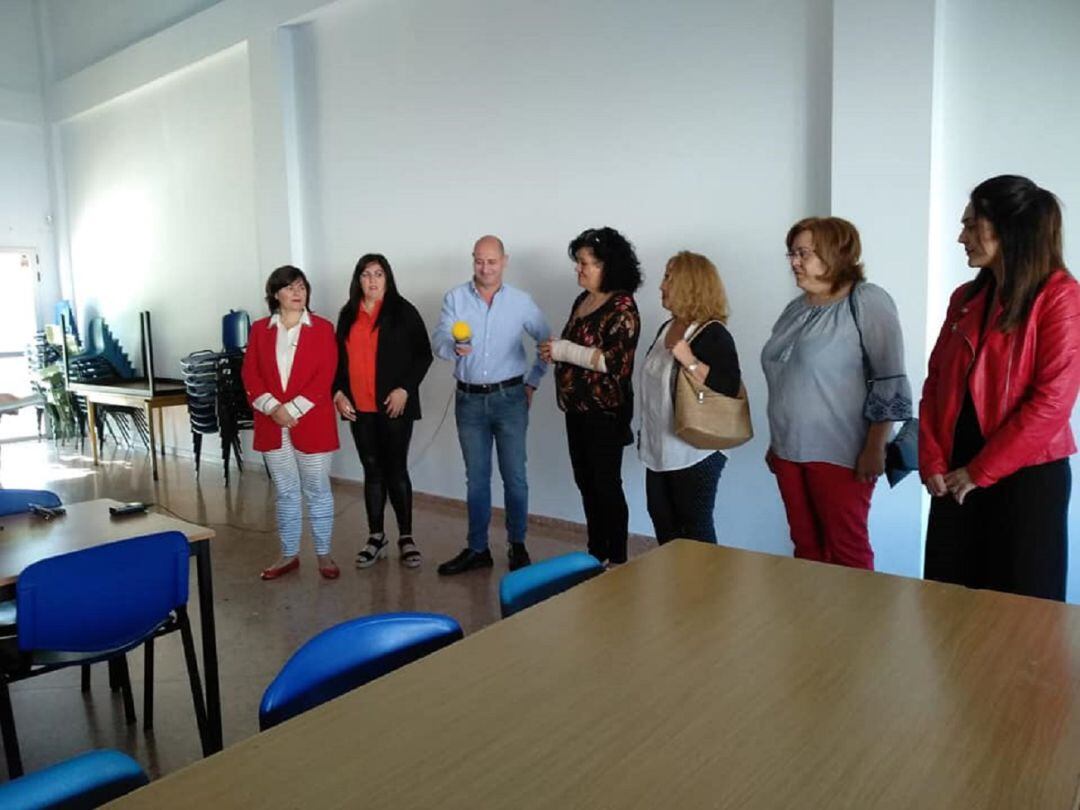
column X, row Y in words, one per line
column 17, row 501
column 95, row 605
column 527, row 586
column 88, row 780
column 349, row 655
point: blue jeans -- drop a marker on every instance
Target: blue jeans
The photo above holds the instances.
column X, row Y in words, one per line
column 502, row 415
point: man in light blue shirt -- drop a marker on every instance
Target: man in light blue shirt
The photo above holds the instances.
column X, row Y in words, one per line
column 495, row 385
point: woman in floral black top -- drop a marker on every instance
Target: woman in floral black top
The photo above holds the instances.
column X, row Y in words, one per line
column 594, row 365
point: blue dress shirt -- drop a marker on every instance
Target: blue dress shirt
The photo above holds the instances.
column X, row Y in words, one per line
column 497, row 350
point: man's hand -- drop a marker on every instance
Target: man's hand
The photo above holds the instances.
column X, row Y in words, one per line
column 395, row 402
column 344, row 407
column 528, row 395
column 462, row 349
column 281, row 416
column 959, row 483
column 544, row 349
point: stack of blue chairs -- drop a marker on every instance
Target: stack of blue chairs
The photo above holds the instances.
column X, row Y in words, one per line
column 103, row 359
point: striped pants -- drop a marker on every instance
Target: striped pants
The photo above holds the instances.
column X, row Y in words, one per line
column 294, row 473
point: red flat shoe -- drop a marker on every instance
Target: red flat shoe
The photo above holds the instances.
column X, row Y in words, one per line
column 330, row 571
column 275, row 571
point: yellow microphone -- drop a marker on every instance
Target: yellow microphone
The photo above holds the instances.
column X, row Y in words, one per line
column 461, row 333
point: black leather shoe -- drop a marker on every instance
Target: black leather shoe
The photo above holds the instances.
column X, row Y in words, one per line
column 519, row 556
column 467, row 560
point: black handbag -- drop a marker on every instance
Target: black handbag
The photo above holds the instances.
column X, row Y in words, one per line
column 902, row 451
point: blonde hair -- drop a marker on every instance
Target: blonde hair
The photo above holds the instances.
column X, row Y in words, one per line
column 695, row 292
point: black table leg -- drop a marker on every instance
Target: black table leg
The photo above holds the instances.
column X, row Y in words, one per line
column 213, row 742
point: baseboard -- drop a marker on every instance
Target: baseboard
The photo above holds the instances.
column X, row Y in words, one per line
column 498, row 514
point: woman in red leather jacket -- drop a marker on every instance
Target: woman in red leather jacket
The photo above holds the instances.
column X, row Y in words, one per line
column 995, row 439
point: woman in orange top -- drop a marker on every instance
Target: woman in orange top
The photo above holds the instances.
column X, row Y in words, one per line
column 383, row 355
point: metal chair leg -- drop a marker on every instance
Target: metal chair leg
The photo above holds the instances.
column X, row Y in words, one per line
column 148, row 685
column 125, row 689
column 7, row 731
column 193, row 676
column 196, row 444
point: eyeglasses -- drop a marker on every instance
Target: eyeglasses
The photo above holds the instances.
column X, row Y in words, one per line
column 369, row 275
column 802, row 253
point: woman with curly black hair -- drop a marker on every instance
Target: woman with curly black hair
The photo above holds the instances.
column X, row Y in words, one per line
column 594, row 360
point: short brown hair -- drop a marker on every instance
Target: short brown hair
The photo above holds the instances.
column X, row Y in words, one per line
column 282, row 277
column 695, row 291
column 837, row 244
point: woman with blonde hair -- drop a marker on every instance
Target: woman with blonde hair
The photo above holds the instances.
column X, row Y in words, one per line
column 680, row 479
column 835, row 369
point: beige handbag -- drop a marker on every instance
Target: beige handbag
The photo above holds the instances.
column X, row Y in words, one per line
column 707, row 419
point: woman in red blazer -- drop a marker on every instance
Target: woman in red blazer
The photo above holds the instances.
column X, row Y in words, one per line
column 994, row 436
column 288, row 371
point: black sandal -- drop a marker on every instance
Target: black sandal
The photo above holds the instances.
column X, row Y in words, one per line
column 370, row 554
column 410, row 554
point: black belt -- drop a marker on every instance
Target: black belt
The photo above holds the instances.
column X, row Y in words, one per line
column 484, row 388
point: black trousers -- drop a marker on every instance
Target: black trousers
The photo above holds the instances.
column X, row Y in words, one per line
column 681, row 502
column 596, row 443
column 1011, row 536
column 383, row 445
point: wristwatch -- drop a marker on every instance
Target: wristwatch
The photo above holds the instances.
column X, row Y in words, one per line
column 692, row 367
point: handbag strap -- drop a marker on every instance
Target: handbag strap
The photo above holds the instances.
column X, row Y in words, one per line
column 868, row 370
column 690, row 340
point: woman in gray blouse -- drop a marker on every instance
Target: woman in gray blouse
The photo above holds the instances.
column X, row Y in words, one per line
column 830, row 416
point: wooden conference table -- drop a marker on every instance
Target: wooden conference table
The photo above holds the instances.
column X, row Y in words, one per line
column 133, row 394
column 27, row 538
column 696, row 677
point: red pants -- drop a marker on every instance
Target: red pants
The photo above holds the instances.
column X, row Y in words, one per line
column 827, row 511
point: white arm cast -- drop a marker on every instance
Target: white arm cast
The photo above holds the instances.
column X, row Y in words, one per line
column 566, row 351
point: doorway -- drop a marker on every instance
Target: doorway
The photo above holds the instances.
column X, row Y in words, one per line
column 19, row 281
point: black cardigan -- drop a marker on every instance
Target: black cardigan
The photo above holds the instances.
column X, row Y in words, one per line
column 714, row 346
column 402, row 357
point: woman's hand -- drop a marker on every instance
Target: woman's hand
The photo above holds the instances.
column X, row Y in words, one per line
column 959, row 483
column 395, row 402
column 935, row 485
column 281, row 416
column 682, row 352
column 870, row 464
column 544, row 348
column 344, row 407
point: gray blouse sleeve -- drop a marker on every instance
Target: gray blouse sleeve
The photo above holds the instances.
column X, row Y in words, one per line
column 889, row 396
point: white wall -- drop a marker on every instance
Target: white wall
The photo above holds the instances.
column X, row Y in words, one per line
column 686, row 130
column 83, row 32
column 1010, row 106
column 410, row 127
column 25, row 209
column 882, row 106
column 159, row 185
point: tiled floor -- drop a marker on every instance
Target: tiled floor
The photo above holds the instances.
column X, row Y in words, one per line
column 259, row 624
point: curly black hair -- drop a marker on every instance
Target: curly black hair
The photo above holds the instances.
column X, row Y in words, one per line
column 622, row 270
